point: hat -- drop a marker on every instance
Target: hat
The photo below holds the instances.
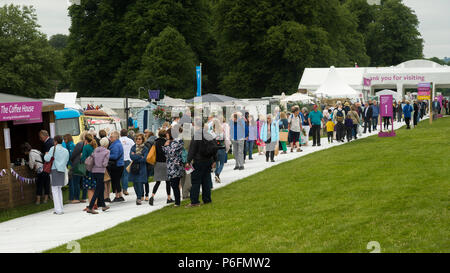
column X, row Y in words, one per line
column 347, row 103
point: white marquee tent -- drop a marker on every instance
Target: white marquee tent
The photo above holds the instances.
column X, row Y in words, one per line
column 298, row 97
column 335, row 87
column 395, row 95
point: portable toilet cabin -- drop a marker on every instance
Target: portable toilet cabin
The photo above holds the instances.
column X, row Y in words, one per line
column 146, row 120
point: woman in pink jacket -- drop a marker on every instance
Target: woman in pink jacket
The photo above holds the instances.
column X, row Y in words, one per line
column 100, row 158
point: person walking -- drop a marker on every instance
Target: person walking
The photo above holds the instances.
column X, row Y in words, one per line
column 407, row 109
column 116, row 165
column 160, row 167
column 173, row 149
column 270, row 134
column 436, row 108
column 375, row 115
column 367, row 116
column 138, row 169
column 70, row 146
column 100, row 160
column 399, row 112
column 237, row 133
column 316, row 119
column 416, row 113
column 339, row 118
column 349, row 126
column 219, row 137
column 78, row 180
column 259, row 142
column 47, row 144
column 295, row 127
column 284, row 127
column 127, row 143
column 150, row 139
column 306, row 125
column 202, row 163
column 89, row 182
column 250, row 137
column 59, row 167
column 355, row 120
column 330, row 130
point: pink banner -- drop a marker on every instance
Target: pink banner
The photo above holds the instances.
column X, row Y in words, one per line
column 20, row 110
column 386, row 109
column 28, row 121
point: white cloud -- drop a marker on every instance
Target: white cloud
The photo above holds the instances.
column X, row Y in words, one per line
column 434, row 25
column 52, row 15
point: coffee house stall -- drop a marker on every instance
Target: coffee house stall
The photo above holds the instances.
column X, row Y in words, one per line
column 21, row 119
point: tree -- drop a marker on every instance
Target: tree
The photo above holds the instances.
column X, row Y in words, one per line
column 264, row 46
column 94, row 49
column 168, row 64
column 393, row 37
column 58, row 41
column 28, row 64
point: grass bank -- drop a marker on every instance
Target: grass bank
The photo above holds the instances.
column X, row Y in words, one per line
column 391, row 190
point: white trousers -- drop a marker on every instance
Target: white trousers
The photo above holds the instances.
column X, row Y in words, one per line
column 57, row 199
column 307, row 128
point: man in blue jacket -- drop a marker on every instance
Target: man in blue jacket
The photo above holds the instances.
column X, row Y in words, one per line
column 237, row 135
column 375, row 114
column 116, row 165
column 407, row 109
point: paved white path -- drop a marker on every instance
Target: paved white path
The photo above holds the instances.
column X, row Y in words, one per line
column 42, row 231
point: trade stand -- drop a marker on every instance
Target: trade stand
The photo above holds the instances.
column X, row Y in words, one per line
column 21, row 119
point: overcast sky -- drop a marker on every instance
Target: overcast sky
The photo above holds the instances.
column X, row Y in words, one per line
column 433, row 15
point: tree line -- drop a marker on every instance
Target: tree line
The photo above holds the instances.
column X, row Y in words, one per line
column 248, row 48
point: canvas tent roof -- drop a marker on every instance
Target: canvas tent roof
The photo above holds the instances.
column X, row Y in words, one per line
column 298, row 97
column 47, row 105
column 335, row 87
column 397, row 96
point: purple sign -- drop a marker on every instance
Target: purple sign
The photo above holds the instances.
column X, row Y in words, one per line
column 386, row 105
column 20, row 110
column 153, row 94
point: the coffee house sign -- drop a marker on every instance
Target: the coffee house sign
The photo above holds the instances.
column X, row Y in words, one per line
column 20, row 110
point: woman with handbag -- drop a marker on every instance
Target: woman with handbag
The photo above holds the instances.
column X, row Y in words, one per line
column 88, row 181
column 160, row 167
column 100, row 159
column 58, row 156
column 138, row 167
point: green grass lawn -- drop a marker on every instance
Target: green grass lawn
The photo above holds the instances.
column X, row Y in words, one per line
column 391, row 190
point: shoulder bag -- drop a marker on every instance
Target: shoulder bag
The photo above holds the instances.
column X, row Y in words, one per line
column 48, row 165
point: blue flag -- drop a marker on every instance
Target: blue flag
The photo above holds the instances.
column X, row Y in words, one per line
column 199, row 80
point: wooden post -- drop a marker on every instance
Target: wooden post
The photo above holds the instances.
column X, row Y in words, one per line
column 5, row 161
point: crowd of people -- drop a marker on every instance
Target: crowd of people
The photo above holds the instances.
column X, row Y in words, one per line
column 186, row 153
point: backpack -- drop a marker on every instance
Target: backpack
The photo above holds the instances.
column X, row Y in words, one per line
column 208, row 148
column 348, row 122
column 340, row 115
